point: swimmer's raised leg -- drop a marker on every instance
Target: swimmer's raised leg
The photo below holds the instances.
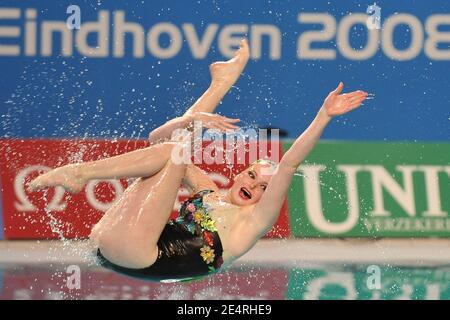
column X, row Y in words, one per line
column 139, row 163
column 224, row 74
column 74, row 177
column 141, row 215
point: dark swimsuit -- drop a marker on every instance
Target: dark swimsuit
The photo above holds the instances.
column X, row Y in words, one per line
column 189, row 246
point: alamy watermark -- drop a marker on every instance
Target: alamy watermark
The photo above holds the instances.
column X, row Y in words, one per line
column 73, row 280
column 74, row 20
column 373, row 281
column 373, row 21
column 229, row 147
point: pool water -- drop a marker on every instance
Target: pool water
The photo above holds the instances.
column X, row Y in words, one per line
column 275, row 270
column 321, row 281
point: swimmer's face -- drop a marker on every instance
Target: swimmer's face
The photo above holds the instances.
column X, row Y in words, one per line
column 250, row 184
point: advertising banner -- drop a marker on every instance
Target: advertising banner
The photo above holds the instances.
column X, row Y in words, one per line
column 54, row 213
column 369, row 283
column 356, row 189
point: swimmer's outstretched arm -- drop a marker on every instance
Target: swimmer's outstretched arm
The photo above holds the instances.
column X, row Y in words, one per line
column 223, row 77
column 265, row 212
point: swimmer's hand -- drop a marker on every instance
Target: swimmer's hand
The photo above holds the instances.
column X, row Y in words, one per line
column 214, row 121
column 336, row 104
column 170, row 130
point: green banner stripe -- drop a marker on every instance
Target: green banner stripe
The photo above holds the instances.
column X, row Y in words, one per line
column 355, row 189
column 369, row 282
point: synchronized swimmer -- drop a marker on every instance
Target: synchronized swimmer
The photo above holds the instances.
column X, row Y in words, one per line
column 136, row 236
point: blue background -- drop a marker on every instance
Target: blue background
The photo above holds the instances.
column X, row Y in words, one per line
column 127, row 97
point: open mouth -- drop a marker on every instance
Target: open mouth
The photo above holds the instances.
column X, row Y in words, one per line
column 245, row 194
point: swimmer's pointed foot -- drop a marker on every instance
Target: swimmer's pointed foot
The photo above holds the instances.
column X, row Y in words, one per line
column 69, row 177
column 227, row 72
